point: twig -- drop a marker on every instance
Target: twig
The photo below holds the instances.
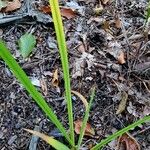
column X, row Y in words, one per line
column 142, row 131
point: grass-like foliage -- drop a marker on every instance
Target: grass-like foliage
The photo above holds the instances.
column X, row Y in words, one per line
column 64, row 59
column 25, row 81
column 22, row 77
column 148, row 12
column 120, row 132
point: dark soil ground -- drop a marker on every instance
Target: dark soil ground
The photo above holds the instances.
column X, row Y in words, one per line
column 102, row 36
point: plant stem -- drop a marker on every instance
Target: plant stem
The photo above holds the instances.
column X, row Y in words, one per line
column 64, row 59
column 83, row 127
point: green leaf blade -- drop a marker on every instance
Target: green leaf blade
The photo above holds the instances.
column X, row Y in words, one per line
column 119, row 133
column 64, row 60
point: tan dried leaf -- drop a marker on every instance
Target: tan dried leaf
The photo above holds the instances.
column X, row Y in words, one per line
column 118, row 23
column 80, row 63
column 68, row 13
column 55, row 81
column 128, row 142
column 81, row 48
column 44, row 86
column 11, row 6
column 89, row 131
column 65, row 12
column 81, row 97
column 123, row 103
column 121, row 58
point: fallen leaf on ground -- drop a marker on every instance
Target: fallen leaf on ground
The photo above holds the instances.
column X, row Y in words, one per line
column 45, row 9
column 89, row 131
column 68, row 13
column 81, row 48
column 13, row 5
column 121, row 58
column 118, row 23
column 128, row 142
column 26, row 44
column 80, row 64
column 44, row 86
column 65, row 12
column 106, row 25
column 55, row 80
column 115, row 49
column 81, row 97
column 123, row 103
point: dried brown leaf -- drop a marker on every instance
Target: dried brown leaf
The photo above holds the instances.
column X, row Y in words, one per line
column 81, row 48
column 115, row 49
column 118, row 23
column 81, row 97
column 106, row 25
column 68, row 13
column 55, row 80
column 128, row 142
column 123, row 103
column 65, row 12
column 80, row 63
column 89, row 131
column 44, row 86
column 121, row 58
column 11, row 6
column 45, row 9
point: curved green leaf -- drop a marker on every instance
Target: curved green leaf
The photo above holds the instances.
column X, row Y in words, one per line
column 119, row 133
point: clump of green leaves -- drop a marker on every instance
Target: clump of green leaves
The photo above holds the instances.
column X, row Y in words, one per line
column 20, row 74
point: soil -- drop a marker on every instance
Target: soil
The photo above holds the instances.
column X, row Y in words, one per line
column 108, row 46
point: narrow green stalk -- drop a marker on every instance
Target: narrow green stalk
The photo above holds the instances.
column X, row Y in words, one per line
column 64, row 59
column 119, row 133
column 85, row 120
column 22, row 77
